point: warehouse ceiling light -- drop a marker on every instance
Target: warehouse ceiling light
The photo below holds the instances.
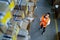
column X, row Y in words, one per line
column 56, row 6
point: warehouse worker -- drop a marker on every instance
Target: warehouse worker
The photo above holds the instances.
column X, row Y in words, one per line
column 44, row 21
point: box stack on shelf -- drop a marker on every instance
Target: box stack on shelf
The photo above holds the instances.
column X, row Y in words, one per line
column 13, row 29
column 7, row 6
column 5, row 15
column 24, row 24
column 29, row 17
column 31, row 8
column 34, row 2
column 20, row 15
column 2, row 29
column 27, row 6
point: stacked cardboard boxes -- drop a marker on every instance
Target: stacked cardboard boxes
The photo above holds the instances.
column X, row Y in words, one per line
column 31, row 7
column 24, row 24
column 3, row 29
column 18, row 14
column 34, row 1
column 13, row 28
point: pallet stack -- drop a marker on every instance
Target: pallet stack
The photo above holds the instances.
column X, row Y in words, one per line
column 22, row 15
column 27, row 7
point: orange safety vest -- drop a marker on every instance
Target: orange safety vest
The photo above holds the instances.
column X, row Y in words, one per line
column 44, row 21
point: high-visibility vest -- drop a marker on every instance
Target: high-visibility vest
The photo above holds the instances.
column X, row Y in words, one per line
column 44, row 21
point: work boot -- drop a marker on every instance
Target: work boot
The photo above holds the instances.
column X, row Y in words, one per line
column 42, row 33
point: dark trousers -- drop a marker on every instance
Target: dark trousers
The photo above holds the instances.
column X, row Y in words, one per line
column 42, row 28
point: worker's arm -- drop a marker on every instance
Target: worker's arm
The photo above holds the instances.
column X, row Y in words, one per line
column 48, row 22
column 41, row 18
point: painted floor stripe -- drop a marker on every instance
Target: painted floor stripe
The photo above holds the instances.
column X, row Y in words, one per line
column 56, row 25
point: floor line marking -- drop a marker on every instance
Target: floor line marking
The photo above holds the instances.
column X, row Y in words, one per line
column 56, row 25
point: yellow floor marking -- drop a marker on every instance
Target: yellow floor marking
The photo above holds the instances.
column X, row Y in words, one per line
column 56, row 25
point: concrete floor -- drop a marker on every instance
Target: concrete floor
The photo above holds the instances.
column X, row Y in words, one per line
column 58, row 25
column 50, row 33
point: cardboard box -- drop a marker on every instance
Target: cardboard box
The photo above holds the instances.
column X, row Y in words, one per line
column 3, row 29
column 12, row 22
column 24, row 4
column 23, row 7
column 31, row 14
column 24, row 24
column 13, row 12
column 23, row 32
column 1, row 32
column 18, row 14
column 31, row 6
column 34, row 1
column 16, row 30
column 28, row 27
column 13, row 29
column 9, row 32
column 31, row 11
column 10, row 29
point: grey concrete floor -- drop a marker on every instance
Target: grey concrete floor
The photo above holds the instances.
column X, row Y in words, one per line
column 58, row 25
column 50, row 33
